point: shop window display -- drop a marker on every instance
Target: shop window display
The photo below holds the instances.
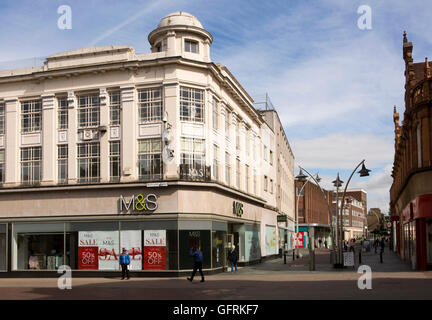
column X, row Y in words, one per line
column 3, row 246
column 190, row 238
column 218, row 248
column 38, row 246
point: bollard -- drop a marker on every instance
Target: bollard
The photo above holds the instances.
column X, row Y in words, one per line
column 284, row 257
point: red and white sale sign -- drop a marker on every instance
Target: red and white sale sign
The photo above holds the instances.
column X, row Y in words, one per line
column 299, row 240
column 88, row 258
column 154, row 250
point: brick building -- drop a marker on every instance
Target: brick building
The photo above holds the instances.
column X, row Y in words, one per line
column 411, row 191
column 313, row 212
column 354, row 212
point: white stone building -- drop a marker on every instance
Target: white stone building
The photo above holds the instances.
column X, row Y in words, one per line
column 103, row 145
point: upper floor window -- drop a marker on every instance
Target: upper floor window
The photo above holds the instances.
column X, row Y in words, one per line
column 191, row 104
column 114, row 108
column 238, row 173
column 238, row 136
column 191, row 46
column 2, row 118
column 216, row 162
column 192, row 158
column 88, row 162
column 62, row 113
column 150, row 159
column 88, row 111
column 31, row 116
column 215, row 115
column 227, row 168
column 227, row 124
column 62, row 163
column 271, row 157
column 31, row 165
column 2, row 166
column 150, row 105
column 114, row 160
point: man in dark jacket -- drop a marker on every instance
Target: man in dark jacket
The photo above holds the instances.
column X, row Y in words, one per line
column 198, row 258
column 124, row 260
column 233, row 258
column 382, row 245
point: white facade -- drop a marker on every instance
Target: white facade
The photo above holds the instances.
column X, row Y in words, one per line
column 235, row 148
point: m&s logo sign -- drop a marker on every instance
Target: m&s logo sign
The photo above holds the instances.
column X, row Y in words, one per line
column 139, row 203
column 238, row 208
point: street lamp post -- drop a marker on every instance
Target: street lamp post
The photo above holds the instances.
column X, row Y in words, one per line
column 363, row 173
column 317, row 180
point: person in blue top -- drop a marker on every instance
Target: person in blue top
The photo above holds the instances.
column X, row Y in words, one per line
column 198, row 258
column 124, row 261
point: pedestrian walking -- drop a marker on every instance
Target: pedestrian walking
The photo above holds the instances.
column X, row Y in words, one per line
column 233, row 258
column 382, row 245
column 125, row 263
column 325, row 243
column 320, row 242
column 376, row 245
column 198, row 258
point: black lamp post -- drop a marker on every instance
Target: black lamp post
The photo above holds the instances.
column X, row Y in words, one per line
column 338, row 183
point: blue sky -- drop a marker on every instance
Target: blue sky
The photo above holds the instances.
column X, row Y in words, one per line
column 333, row 84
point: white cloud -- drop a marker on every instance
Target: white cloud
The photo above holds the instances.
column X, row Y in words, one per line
column 343, row 151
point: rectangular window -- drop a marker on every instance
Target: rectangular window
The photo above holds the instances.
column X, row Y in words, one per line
column 265, row 183
column 255, row 182
column 88, row 162
column 238, row 173
column 247, row 178
column 88, row 111
column 227, row 168
column 31, row 165
column 62, row 113
column 265, row 153
column 192, row 158
column 238, row 136
column 216, row 162
column 150, row 159
column 2, row 166
column 227, row 125
column 271, row 186
column 191, row 104
column 114, row 108
column 31, row 116
column 2, row 118
column 271, row 157
column 62, row 163
column 150, row 105
column 191, row 46
column 215, row 115
column 114, row 158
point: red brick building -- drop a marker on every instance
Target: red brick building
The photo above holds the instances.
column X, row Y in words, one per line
column 411, row 191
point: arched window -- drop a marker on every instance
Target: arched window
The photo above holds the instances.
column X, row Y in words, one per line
column 419, row 153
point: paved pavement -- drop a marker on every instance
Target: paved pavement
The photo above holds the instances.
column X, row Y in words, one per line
column 271, row 280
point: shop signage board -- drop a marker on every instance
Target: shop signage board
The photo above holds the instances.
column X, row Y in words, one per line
column 155, row 250
column 237, row 208
column 282, row 218
column 138, row 203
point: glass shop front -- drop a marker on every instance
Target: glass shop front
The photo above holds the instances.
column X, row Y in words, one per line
column 96, row 245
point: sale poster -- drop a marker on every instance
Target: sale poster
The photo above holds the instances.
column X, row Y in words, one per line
column 299, row 240
column 155, row 250
column 107, row 244
column 88, row 258
column 131, row 241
